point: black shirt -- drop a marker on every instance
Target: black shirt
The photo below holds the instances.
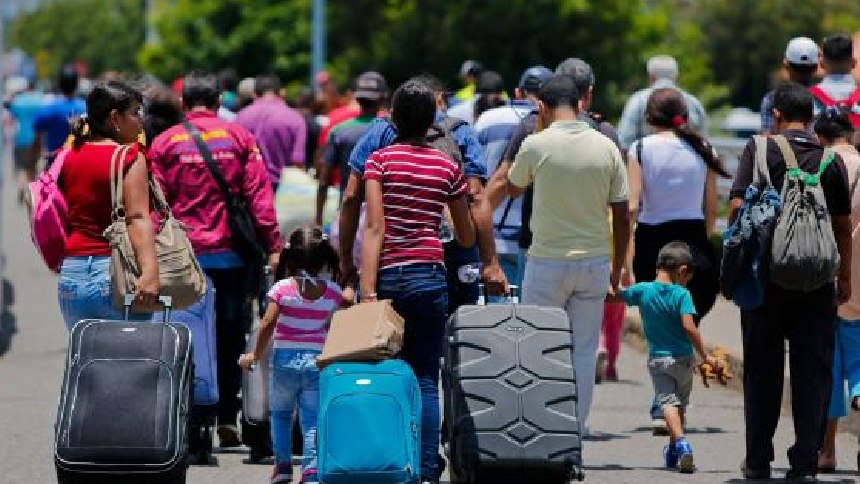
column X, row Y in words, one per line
column 808, row 151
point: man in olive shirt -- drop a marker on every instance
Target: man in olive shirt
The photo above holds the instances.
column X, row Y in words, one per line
column 577, row 172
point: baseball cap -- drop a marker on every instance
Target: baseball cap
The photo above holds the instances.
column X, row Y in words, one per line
column 579, row 70
column 533, row 78
column 802, row 51
column 471, row 67
column 489, row 82
column 370, row 85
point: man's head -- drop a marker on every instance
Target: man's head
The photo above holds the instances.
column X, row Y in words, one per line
column 413, row 109
column 801, row 60
column 437, row 87
column 370, row 90
column 792, row 103
column 558, row 98
column 491, row 91
column 676, row 259
column 200, row 90
column 470, row 70
column 837, row 54
column 67, row 80
column 662, row 67
column 531, row 81
column 268, row 83
column 582, row 75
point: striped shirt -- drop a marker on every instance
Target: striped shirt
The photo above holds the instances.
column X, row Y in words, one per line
column 417, row 183
column 303, row 323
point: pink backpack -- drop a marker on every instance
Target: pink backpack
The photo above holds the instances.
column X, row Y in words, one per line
column 49, row 214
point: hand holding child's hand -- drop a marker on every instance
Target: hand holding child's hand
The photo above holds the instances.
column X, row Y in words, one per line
column 247, row 360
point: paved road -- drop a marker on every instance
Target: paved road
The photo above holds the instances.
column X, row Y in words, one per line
column 32, row 345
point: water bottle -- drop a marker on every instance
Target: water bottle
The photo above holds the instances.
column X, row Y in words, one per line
column 469, row 273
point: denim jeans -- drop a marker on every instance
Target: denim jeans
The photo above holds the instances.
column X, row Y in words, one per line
column 295, row 383
column 579, row 287
column 419, row 294
column 846, row 366
column 514, row 266
column 84, row 291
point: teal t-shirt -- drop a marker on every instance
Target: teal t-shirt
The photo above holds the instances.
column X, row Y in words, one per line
column 661, row 306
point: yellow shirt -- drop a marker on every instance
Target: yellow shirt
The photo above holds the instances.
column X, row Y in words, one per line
column 577, row 172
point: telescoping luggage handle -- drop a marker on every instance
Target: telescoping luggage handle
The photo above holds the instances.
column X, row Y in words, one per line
column 512, row 296
column 166, row 301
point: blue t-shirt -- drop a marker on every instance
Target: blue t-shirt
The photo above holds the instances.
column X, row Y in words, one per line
column 24, row 108
column 54, row 119
column 381, row 133
column 661, row 306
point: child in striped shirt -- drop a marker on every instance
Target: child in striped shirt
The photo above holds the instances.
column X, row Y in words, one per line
column 299, row 309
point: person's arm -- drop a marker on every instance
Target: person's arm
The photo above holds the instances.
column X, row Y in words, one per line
column 300, row 138
column 464, row 228
column 350, row 214
column 264, row 336
column 628, row 125
column 481, row 212
column 743, row 178
column 260, row 199
column 842, row 232
column 711, row 202
column 620, row 240
column 497, row 187
column 520, row 175
column 325, row 165
column 136, row 199
column 373, row 236
column 634, row 180
column 689, row 325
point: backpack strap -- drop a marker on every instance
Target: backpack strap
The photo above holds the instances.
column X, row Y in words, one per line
column 760, row 168
column 822, row 96
column 207, row 158
column 787, row 154
column 451, row 124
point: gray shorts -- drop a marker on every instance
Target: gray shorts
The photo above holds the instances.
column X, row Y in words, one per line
column 672, row 377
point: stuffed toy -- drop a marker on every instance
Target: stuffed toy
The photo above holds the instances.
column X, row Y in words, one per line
column 721, row 373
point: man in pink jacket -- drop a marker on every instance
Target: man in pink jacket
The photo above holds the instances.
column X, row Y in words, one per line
column 197, row 201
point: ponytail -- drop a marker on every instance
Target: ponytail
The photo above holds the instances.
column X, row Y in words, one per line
column 308, row 250
column 702, row 147
column 81, row 132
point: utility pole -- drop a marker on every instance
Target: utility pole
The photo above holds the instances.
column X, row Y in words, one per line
column 318, row 40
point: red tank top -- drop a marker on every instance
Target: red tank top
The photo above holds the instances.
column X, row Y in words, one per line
column 85, row 182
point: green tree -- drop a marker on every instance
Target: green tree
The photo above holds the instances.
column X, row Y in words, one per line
column 106, row 34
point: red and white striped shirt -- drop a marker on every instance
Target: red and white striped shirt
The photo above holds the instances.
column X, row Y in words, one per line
column 417, row 183
column 303, row 323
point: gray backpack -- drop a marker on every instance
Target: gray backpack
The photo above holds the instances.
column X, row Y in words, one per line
column 804, row 256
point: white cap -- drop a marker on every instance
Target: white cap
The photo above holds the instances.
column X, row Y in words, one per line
column 802, row 51
column 663, row 67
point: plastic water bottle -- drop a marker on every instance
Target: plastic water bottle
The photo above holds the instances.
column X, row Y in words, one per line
column 469, row 273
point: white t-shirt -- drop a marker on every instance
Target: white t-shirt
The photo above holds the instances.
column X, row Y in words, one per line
column 673, row 180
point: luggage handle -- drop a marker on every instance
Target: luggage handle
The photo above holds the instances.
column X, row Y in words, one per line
column 513, row 295
column 166, row 301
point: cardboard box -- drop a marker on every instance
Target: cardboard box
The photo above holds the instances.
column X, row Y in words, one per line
column 365, row 332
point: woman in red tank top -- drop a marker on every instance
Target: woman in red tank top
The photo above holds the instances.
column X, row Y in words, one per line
column 113, row 119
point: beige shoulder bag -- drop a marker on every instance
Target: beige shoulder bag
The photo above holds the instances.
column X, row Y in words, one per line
column 178, row 271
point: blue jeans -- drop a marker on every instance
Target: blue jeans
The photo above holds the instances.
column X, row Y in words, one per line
column 420, row 295
column 84, row 291
column 295, row 383
column 846, row 365
column 514, row 266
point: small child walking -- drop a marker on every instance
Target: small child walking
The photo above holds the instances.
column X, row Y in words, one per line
column 667, row 311
column 300, row 305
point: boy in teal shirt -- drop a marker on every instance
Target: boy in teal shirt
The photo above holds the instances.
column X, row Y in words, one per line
column 668, row 312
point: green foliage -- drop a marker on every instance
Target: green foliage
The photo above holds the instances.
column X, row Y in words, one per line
column 106, row 34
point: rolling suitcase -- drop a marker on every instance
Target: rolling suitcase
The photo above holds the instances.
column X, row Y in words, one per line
column 200, row 320
column 511, row 399
column 369, row 424
column 256, row 430
column 123, row 411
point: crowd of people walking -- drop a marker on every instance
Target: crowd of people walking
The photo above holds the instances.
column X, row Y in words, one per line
column 439, row 192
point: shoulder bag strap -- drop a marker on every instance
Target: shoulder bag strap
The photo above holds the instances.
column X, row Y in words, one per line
column 639, row 149
column 760, row 168
column 207, row 157
column 116, row 178
column 787, row 153
column 821, row 96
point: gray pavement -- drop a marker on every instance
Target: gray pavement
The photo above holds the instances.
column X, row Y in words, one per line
column 32, row 346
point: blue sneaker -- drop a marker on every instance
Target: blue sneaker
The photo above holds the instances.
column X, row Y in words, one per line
column 670, row 458
column 684, row 453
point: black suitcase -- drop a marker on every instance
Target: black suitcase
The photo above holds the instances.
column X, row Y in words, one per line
column 123, row 412
column 511, row 402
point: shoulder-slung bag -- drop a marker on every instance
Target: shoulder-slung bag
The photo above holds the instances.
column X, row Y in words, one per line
column 178, row 271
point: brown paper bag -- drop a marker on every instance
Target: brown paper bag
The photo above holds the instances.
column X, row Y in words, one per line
column 365, row 332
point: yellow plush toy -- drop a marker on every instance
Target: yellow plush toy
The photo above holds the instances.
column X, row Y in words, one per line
column 721, row 373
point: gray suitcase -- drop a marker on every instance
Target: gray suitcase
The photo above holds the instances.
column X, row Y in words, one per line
column 123, row 412
column 511, row 401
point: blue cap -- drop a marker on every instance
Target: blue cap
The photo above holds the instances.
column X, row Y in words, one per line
column 533, row 78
